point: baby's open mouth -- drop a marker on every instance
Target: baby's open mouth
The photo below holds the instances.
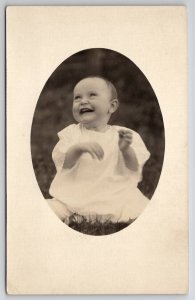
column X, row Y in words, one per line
column 85, row 110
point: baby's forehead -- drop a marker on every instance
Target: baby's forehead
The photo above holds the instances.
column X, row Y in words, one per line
column 91, row 83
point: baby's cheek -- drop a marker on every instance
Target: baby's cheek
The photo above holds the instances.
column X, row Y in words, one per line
column 75, row 113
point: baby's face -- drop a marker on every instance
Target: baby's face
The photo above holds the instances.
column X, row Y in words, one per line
column 92, row 103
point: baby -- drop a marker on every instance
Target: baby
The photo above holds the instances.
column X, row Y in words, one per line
column 98, row 165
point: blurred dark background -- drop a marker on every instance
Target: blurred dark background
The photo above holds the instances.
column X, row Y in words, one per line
column 139, row 110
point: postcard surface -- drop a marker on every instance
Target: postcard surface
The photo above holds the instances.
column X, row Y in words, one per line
column 97, row 150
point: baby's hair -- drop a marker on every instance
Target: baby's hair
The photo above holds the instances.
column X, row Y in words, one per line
column 113, row 90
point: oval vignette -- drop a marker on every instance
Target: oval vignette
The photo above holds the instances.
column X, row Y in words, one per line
column 139, row 110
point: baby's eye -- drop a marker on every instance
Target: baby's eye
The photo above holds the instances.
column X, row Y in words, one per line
column 77, row 97
column 93, row 94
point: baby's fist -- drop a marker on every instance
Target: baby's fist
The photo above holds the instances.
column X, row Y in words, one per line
column 125, row 139
column 92, row 148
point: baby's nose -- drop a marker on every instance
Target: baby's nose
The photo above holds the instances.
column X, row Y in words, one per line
column 84, row 100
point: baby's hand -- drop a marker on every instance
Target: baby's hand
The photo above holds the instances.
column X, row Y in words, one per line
column 92, row 148
column 125, row 139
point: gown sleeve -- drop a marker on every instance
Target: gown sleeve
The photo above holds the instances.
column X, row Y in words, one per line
column 142, row 155
column 65, row 141
column 140, row 149
column 141, row 152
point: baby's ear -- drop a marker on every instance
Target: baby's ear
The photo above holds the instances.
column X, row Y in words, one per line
column 114, row 105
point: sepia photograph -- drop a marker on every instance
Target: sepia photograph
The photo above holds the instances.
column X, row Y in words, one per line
column 97, row 141
column 97, row 150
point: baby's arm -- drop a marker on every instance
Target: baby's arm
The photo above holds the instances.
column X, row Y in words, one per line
column 74, row 152
column 125, row 140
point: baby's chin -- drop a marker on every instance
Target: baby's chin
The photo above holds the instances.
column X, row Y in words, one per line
column 85, row 119
column 87, row 123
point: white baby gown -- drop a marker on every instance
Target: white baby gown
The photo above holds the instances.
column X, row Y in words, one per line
column 99, row 187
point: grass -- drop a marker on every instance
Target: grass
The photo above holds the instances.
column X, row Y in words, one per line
column 96, row 226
